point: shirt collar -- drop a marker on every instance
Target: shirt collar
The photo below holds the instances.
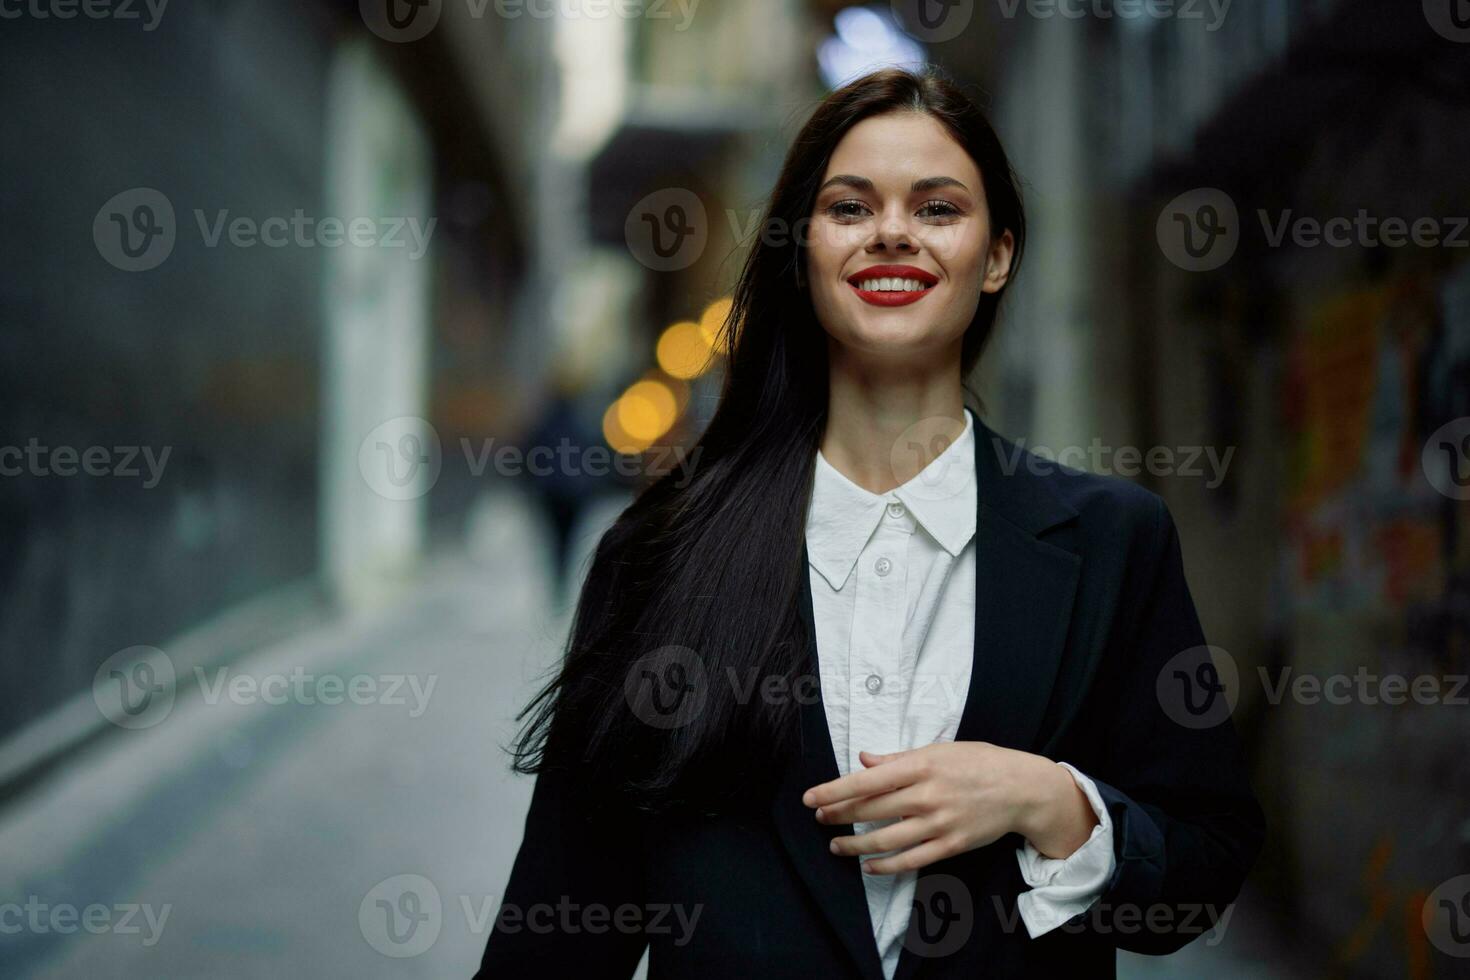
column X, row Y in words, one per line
column 842, row 516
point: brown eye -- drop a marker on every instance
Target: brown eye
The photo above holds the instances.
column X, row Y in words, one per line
column 848, row 209
column 939, row 209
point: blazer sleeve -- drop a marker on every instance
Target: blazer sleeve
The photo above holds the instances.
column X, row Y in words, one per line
column 1187, row 826
column 575, row 903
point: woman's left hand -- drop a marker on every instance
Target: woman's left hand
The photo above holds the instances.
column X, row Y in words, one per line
column 952, row 797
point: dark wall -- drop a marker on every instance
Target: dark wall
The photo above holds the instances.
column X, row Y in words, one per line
column 210, row 357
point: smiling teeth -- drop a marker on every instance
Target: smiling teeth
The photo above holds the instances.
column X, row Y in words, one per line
column 890, row 285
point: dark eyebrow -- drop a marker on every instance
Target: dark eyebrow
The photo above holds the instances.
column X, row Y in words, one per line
column 934, row 183
column 848, row 180
column 919, row 186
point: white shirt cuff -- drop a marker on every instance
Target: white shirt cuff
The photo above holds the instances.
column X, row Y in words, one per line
column 1061, row 888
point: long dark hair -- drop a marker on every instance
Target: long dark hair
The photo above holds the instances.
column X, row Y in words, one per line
column 697, row 586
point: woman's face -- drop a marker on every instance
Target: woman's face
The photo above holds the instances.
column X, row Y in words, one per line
column 901, row 246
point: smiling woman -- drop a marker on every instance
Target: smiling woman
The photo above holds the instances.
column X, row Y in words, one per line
column 852, row 635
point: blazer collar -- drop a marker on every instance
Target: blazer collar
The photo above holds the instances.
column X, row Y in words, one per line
column 1024, row 592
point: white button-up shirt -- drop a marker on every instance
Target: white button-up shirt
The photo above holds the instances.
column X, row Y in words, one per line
column 893, row 597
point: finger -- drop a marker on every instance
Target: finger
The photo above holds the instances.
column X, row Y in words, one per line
column 878, row 758
column 910, row 860
column 896, row 836
column 906, row 802
column 869, row 782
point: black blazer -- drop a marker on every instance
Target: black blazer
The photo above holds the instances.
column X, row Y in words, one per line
column 1087, row 650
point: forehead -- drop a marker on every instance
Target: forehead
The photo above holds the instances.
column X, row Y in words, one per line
column 902, row 147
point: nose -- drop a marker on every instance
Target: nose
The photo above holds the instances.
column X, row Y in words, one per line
column 892, row 234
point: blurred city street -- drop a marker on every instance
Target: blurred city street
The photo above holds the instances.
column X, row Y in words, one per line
column 336, row 331
column 254, row 840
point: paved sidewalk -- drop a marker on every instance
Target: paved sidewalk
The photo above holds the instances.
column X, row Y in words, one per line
column 242, row 840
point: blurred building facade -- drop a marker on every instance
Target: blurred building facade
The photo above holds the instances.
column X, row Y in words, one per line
column 196, row 314
column 1316, row 366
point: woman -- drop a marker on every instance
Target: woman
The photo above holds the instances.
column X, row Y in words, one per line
column 875, row 693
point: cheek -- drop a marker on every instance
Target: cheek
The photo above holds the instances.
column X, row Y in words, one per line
column 962, row 254
column 964, row 263
column 827, row 251
column 828, row 245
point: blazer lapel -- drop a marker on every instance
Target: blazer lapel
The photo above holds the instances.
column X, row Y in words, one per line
column 835, row 882
column 1024, row 589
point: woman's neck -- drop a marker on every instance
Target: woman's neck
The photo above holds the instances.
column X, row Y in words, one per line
column 883, row 429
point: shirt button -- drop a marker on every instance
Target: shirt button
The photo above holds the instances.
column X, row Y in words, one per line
column 895, row 510
column 874, row 683
column 883, row 566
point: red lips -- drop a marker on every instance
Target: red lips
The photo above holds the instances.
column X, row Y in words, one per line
column 897, row 297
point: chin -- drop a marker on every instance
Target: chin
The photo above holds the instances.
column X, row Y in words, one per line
column 889, row 338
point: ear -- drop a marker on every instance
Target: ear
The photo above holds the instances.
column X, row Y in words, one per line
column 998, row 263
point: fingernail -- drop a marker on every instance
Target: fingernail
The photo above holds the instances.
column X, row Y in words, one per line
column 832, row 846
